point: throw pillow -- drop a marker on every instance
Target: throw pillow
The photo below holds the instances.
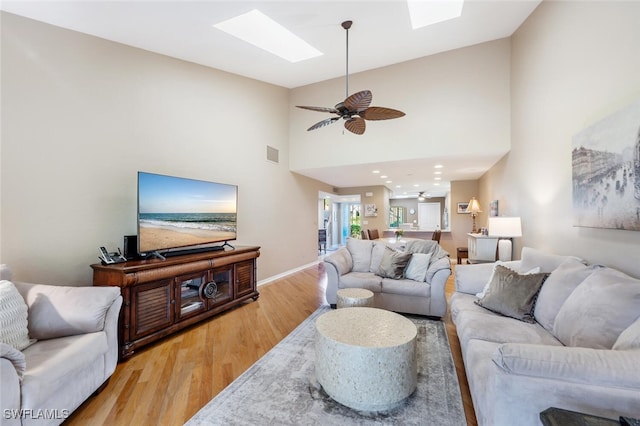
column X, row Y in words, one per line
column 629, row 338
column 598, row 310
column 360, row 253
column 13, row 317
column 557, row 288
column 393, row 263
column 418, row 265
column 498, row 262
column 512, row 294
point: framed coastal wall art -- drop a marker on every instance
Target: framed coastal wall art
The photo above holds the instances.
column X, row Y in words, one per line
column 606, row 172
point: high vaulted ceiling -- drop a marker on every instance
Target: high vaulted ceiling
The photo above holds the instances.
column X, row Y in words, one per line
column 381, row 34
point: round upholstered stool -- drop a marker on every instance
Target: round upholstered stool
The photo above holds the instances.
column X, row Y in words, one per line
column 366, row 357
column 354, row 297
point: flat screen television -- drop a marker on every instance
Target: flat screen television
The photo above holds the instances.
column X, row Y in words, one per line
column 181, row 213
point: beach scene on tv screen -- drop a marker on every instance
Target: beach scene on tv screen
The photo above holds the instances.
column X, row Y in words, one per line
column 177, row 212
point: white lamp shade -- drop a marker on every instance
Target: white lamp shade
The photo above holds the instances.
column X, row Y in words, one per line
column 507, row 227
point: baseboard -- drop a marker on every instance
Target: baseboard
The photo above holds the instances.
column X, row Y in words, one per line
column 286, row 273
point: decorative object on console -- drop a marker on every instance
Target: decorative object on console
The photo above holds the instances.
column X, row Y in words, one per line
column 354, row 109
column 493, row 208
column 505, row 228
column 474, row 208
column 606, row 172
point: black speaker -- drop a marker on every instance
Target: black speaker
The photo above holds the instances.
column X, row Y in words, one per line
column 131, row 247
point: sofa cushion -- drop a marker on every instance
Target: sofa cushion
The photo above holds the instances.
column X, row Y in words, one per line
column 53, row 365
column 547, row 262
column 365, row 280
column 360, row 253
column 393, row 263
column 417, row 267
column 598, row 310
column 56, row 311
column 557, row 288
column 377, row 251
column 629, row 338
column 512, row 294
column 13, row 317
column 406, row 287
column 486, row 325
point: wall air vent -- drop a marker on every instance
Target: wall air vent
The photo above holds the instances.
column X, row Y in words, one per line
column 273, row 154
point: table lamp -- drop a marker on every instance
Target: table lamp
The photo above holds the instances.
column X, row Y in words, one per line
column 505, row 228
column 474, row 209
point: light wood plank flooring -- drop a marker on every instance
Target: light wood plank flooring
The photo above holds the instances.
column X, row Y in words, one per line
column 167, row 383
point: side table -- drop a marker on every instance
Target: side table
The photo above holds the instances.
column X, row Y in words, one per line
column 354, row 297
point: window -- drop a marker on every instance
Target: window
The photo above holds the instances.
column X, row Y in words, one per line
column 396, row 216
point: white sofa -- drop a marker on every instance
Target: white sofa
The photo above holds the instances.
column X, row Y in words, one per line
column 75, row 353
column 580, row 352
column 417, row 288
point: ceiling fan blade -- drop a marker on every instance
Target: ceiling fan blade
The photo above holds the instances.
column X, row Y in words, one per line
column 380, row 113
column 323, row 123
column 319, row 109
column 355, row 125
column 358, row 101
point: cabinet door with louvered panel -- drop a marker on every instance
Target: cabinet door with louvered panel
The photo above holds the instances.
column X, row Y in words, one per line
column 152, row 307
column 245, row 278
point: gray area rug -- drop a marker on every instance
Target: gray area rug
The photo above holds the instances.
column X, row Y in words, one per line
column 280, row 388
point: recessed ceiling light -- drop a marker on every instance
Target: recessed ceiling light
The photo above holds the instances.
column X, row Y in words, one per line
column 384, row 177
column 376, row 171
column 416, row 185
column 425, row 13
column 437, row 172
column 389, row 181
column 258, row 29
column 438, row 166
column 437, row 178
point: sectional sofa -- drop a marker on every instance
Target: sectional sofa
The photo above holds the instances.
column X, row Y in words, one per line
column 548, row 331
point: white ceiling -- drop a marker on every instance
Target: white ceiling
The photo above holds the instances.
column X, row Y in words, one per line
column 381, row 35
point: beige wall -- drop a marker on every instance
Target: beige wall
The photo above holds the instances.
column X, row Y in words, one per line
column 573, row 63
column 80, row 117
column 450, row 111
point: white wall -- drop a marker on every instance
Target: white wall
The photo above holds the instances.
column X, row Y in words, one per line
column 573, row 63
column 80, row 117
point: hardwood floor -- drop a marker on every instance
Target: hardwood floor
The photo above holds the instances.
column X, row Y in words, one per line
column 167, row 383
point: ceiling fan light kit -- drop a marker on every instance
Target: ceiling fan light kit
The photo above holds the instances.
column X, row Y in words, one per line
column 354, row 109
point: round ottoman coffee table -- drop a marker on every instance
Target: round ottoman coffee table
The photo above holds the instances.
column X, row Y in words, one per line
column 366, row 357
column 352, row 297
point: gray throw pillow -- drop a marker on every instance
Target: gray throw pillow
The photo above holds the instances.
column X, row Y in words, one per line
column 393, row 264
column 512, row 294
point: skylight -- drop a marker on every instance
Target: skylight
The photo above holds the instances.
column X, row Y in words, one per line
column 258, row 29
column 429, row 12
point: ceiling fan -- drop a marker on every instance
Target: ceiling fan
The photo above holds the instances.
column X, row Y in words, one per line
column 354, row 109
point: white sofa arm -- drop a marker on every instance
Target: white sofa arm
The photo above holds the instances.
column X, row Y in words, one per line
column 596, row 367
column 57, row 311
column 438, row 299
column 12, row 366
